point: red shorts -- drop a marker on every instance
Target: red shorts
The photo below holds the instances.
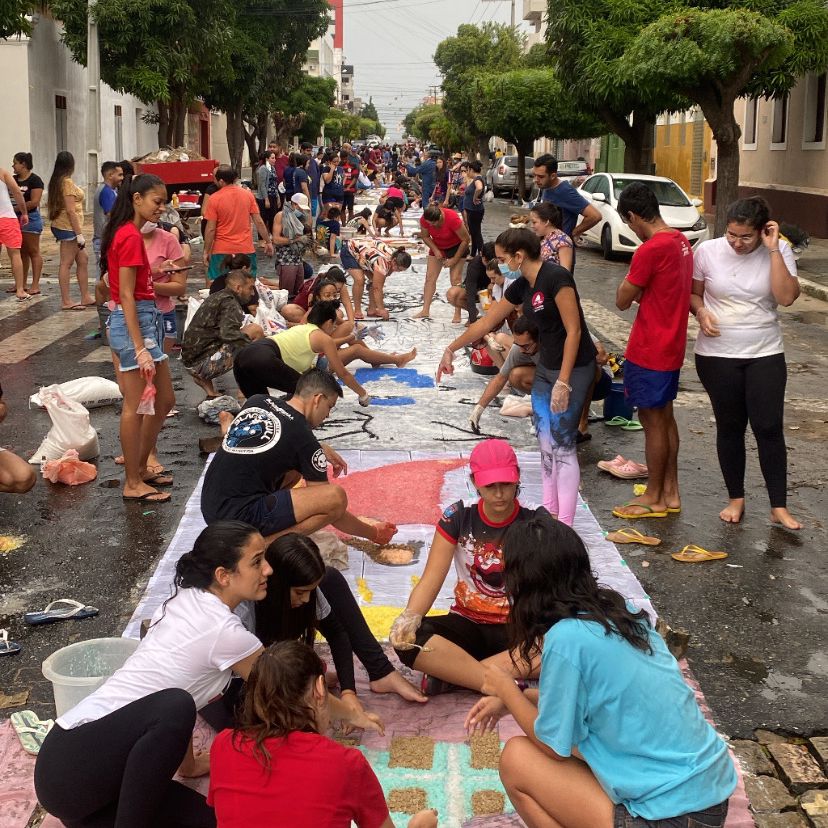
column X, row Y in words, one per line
column 10, row 233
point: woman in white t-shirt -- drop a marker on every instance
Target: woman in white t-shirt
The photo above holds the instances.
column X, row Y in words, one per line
column 111, row 759
column 738, row 282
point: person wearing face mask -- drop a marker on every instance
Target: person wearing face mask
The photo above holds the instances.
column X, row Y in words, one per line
column 169, row 275
column 739, row 280
column 289, row 226
column 215, row 335
column 566, row 368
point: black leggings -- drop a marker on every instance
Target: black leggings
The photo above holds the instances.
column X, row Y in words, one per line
column 751, row 391
column 347, row 631
column 259, row 366
column 473, row 286
column 117, row 772
column 474, row 219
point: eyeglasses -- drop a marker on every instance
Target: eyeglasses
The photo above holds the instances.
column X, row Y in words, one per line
column 733, row 237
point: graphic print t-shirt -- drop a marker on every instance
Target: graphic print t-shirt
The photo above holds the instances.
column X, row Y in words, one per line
column 478, row 560
column 267, row 440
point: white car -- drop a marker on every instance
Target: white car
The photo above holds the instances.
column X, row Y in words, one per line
column 613, row 236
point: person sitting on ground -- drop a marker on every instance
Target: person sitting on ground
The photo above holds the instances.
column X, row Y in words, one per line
column 304, row 595
column 361, row 222
column 556, row 246
column 475, row 280
column 278, row 361
column 518, row 369
column 613, row 734
column 278, row 760
column 16, row 475
column 376, row 259
column 330, row 290
column 266, row 449
column 473, row 634
column 215, row 334
column 447, row 240
column 500, row 340
column 296, row 311
column 329, row 230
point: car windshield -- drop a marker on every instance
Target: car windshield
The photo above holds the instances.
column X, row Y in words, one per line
column 667, row 192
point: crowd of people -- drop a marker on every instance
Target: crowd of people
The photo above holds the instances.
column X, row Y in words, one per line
column 613, row 735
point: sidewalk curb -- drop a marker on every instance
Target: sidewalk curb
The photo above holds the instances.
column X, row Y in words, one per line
column 814, row 289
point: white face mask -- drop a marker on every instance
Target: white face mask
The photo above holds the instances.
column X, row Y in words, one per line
column 149, row 227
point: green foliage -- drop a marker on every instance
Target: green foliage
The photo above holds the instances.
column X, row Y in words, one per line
column 14, row 17
column 312, row 98
column 370, row 111
column 525, row 104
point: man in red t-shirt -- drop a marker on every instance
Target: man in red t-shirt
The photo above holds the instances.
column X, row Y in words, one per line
column 349, row 184
column 660, row 280
column 448, row 240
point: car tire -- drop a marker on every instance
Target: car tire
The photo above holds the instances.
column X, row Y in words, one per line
column 606, row 243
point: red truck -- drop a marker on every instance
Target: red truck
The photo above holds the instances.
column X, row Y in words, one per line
column 181, row 175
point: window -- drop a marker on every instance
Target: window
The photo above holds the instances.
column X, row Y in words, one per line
column 119, row 133
column 590, row 184
column 779, row 128
column 667, row 192
column 751, row 120
column 603, row 187
column 60, row 123
column 813, row 136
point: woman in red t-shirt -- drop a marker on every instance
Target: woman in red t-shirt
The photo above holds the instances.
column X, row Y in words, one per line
column 276, row 768
column 447, row 240
column 136, row 331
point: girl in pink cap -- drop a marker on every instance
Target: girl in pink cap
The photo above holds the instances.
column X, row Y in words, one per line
column 453, row 649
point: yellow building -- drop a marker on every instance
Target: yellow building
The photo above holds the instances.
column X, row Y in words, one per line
column 682, row 150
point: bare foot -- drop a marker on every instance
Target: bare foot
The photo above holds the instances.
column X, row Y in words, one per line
column 423, row 314
column 640, row 507
column 456, row 319
column 395, row 683
column 732, row 513
column 206, row 385
column 145, row 492
column 404, row 359
column 225, row 418
column 784, row 517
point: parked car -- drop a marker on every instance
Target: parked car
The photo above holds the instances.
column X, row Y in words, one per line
column 677, row 210
column 502, row 175
column 575, row 172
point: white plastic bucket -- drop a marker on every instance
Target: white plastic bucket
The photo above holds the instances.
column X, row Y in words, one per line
column 79, row 669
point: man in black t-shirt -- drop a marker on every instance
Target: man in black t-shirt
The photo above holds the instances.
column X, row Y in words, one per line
column 266, row 450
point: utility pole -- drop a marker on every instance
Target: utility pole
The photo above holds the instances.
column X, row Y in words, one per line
column 93, row 105
column 513, row 9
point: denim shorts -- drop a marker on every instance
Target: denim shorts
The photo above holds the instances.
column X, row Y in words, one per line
column 35, row 225
column 170, row 324
column 152, row 330
column 347, row 259
column 713, row 817
column 271, row 513
column 63, row 235
column 646, row 388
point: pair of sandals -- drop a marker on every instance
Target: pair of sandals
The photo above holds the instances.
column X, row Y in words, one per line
column 64, row 609
column 689, row 554
column 624, row 424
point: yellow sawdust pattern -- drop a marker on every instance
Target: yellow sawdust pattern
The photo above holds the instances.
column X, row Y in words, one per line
column 407, row 800
column 411, row 752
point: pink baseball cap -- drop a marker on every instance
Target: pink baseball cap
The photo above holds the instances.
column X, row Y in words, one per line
column 494, row 461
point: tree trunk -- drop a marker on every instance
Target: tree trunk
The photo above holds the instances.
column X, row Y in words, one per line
column 250, row 140
column 179, row 123
column 163, row 123
column 637, row 137
column 726, row 131
column 235, row 137
column 522, row 150
column 483, row 152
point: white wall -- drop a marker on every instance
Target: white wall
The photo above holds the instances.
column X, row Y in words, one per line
column 14, row 67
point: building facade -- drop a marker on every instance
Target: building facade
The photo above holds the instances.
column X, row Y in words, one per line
column 683, row 150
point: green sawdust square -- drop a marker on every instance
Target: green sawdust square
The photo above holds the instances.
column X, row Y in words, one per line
column 487, row 803
column 411, row 752
column 407, row 800
column 485, row 750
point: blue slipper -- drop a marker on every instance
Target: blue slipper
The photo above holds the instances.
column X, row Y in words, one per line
column 73, row 609
column 8, row 647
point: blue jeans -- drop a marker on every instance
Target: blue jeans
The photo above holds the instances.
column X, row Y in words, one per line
column 713, row 817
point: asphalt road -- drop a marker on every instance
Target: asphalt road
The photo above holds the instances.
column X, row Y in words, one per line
column 759, row 621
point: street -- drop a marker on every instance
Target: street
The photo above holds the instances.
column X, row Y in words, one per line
column 758, row 621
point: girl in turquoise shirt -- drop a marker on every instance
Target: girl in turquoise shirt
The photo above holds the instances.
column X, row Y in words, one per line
column 614, row 736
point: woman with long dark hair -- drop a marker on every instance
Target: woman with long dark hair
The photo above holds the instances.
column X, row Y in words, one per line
column 277, row 767
column 31, row 185
column 739, row 280
column 136, row 331
column 614, row 737
column 65, row 205
column 111, row 759
column 441, row 182
column 473, row 207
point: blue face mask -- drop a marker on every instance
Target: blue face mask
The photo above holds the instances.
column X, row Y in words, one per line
column 507, row 271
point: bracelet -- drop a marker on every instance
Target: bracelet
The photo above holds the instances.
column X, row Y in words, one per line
column 142, row 351
column 564, row 384
column 343, row 692
column 773, row 250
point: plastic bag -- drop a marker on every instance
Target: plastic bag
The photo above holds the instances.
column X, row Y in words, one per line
column 146, row 405
column 267, row 312
column 70, row 428
column 193, row 305
column 70, row 469
column 516, row 406
column 90, row 392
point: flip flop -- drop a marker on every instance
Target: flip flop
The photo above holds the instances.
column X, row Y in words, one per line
column 604, row 465
column 696, row 554
column 648, row 513
column 73, row 308
column 632, row 425
column 24, row 298
column 35, row 292
column 630, row 470
column 150, row 497
column 617, row 421
column 74, row 610
column 8, row 647
column 627, row 535
column 161, row 478
column 674, row 510
column 30, row 730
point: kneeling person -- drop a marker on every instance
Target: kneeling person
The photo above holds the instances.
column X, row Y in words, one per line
column 268, row 447
column 460, row 644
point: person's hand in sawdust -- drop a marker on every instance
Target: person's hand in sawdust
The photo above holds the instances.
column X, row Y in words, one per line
column 485, row 715
column 367, row 721
column 424, row 819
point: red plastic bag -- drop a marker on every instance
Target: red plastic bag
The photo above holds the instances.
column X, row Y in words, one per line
column 146, row 405
column 70, row 469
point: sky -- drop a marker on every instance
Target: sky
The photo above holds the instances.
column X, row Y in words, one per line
column 391, row 43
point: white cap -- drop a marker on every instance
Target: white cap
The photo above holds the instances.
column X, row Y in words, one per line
column 301, row 201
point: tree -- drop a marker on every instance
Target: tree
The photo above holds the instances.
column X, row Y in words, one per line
column 526, row 104
column 153, row 50
column 473, row 51
column 304, row 109
column 370, row 111
column 586, row 45
column 714, row 56
column 14, row 18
